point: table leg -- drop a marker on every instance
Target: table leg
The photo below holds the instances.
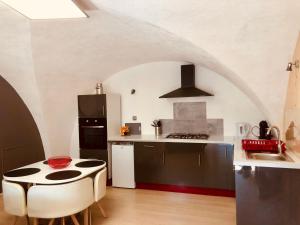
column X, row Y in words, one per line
column 74, row 219
column 35, row 221
column 63, row 221
column 51, row 222
column 86, row 216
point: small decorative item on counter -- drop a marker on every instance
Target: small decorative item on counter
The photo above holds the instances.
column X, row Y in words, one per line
column 124, row 130
column 157, row 126
column 289, row 134
column 99, row 89
column 59, row 162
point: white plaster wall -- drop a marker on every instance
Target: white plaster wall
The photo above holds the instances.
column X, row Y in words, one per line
column 16, row 64
column 155, row 79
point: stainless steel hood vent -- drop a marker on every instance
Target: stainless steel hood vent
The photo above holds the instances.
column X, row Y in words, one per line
column 188, row 88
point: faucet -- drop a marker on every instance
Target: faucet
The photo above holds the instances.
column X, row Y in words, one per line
column 278, row 137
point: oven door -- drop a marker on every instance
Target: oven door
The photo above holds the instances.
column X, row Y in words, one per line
column 92, row 133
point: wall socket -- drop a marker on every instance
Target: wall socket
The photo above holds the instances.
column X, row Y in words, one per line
column 134, row 118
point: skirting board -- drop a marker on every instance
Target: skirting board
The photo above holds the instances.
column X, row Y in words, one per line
column 186, row 189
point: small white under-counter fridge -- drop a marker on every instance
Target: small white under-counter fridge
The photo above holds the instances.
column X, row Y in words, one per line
column 123, row 165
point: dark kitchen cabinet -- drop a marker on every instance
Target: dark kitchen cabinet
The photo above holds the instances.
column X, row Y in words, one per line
column 183, row 164
column 217, row 166
column 267, row 196
column 92, row 106
column 149, row 160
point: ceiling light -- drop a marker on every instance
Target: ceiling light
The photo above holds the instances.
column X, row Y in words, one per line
column 46, row 9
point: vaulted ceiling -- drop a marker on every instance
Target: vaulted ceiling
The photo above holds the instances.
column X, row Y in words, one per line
column 249, row 42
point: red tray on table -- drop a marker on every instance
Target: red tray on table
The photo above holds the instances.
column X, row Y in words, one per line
column 260, row 145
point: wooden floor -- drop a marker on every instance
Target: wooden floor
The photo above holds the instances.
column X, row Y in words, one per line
column 144, row 207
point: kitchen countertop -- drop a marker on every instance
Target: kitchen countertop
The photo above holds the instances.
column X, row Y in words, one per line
column 162, row 138
column 240, row 157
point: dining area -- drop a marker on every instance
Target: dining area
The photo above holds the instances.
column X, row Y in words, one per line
column 60, row 190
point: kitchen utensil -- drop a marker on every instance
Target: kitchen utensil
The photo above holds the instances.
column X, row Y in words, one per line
column 243, row 129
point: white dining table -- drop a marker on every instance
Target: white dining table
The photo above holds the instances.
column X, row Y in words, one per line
column 41, row 176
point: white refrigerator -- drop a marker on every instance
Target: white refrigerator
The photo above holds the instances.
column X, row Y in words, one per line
column 123, row 165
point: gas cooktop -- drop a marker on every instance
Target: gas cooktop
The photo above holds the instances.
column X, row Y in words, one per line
column 188, row 136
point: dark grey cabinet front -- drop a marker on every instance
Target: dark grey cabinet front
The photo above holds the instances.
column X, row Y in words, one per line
column 217, row 166
column 183, row 164
column 92, row 106
column 149, row 162
column 267, row 196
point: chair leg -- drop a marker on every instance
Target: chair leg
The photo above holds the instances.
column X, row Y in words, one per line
column 101, row 210
column 35, row 221
column 90, row 215
column 15, row 220
column 27, row 220
column 86, row 217
column 74, row 219
column 51, row 222
column 63, row 222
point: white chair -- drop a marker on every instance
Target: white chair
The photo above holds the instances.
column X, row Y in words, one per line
column 100, row 188
column 14, row 200
column 60, row 201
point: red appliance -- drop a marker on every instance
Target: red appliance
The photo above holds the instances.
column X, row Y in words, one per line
column 59, row 162
column 262, row 145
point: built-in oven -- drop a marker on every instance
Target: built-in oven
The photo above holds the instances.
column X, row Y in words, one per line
column 93, row 133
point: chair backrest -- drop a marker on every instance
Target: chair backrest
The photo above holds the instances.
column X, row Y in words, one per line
column 53, row 201
column 100, row 184
column 14, row 198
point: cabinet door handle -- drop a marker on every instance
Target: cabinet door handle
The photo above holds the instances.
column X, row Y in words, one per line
column 149, row 146
column 93, row 127
column 199, row 159
column 103, row 110
column 163, row 158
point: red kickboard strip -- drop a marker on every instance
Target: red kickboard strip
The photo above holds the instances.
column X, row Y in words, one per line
column 186, row 189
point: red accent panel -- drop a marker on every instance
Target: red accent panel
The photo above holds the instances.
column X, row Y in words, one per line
column 186, row 189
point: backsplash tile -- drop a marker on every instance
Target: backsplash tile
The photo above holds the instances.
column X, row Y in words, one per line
column 184, row 126
column 191, row 117
column 189, row 110
column 215, row 126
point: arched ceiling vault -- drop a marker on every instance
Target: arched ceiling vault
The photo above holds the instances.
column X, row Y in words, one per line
column 248, row 42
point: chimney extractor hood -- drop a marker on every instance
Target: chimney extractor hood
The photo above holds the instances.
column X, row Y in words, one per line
column 188, row 88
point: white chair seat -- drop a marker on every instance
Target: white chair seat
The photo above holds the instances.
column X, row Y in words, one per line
column 14, row 199
column 100, row 188
column 55, row 201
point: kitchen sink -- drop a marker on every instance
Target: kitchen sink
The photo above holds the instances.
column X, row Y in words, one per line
column 269, row 156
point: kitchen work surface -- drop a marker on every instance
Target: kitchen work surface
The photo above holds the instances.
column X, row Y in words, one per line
column 44, row 174
column 163, row 138
column 145, row 207
column 241, row 159
column 240, row 156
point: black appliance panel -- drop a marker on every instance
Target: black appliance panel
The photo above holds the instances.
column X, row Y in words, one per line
column 92, row 106
column 93, row 133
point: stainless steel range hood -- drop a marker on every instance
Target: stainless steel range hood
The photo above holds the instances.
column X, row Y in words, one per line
column 188, row 88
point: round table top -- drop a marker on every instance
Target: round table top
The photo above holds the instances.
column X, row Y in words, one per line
column 42, row 176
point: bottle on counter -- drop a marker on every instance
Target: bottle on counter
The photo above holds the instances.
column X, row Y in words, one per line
column 289, row 134
column 99, row 89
